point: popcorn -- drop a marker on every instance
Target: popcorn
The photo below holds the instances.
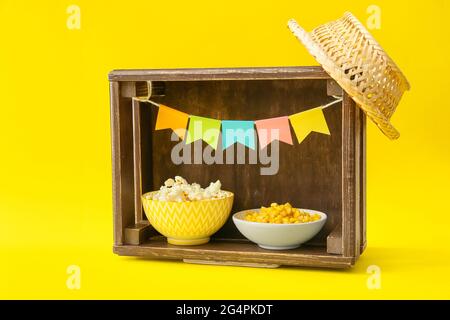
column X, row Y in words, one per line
column 180, row 190
column 169, row 182
column 180, row 180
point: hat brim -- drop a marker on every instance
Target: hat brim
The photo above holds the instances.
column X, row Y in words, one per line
column 336, row 73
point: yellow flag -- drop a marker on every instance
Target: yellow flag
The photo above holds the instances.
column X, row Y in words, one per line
column 307, row 121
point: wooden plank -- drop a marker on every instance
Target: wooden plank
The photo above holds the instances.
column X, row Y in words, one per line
column 147, row 133
column 138, row 233
column 334, row 241
column 333, row 88
column 218, row 74
column 115, row 142
column 128, row 89
column 138, row 213
column 349, row 177
column 122, row 162
column 131, row 89
column 232, row 263
column 237, row 252
column 357, row 180
column 363, row 183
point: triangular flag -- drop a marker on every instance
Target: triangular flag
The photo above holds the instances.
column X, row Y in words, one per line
column 273, row 129
column 238, row 131
column 205, row 129
column 307, row 121
column 169, row 118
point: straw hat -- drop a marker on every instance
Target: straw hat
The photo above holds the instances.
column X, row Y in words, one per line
column 349, row 53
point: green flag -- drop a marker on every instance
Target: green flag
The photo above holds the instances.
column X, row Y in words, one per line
column 205, row 129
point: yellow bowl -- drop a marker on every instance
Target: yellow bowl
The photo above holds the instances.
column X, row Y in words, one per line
column 190, row 222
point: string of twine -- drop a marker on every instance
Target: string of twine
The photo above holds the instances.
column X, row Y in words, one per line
column 147, row 100
column 332, row 103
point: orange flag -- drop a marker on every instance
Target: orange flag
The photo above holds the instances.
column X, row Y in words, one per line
column 169, row 118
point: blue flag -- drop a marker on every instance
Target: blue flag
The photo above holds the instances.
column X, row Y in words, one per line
column 238, row 131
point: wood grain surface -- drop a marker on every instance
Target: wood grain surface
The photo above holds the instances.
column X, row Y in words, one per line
column 242, row 252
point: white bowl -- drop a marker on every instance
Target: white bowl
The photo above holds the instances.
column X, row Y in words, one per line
column 274, row 236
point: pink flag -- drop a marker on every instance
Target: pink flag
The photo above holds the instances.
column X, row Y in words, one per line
column 273, row 129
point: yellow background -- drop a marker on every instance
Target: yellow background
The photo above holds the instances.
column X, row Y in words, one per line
column 55, row 167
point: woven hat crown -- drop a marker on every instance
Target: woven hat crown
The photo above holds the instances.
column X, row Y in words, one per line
column 349, row 53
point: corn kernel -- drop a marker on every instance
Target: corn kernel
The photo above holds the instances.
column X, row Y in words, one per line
column 281, row 214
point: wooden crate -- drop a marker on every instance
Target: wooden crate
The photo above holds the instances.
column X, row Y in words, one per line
column 326, row 173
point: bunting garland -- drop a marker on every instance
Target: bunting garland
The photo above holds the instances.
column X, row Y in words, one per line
column 169, row 118
column 238, row 131
column 308, row 121
column 273, row 129
column 243, row 132
column 205, row 129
